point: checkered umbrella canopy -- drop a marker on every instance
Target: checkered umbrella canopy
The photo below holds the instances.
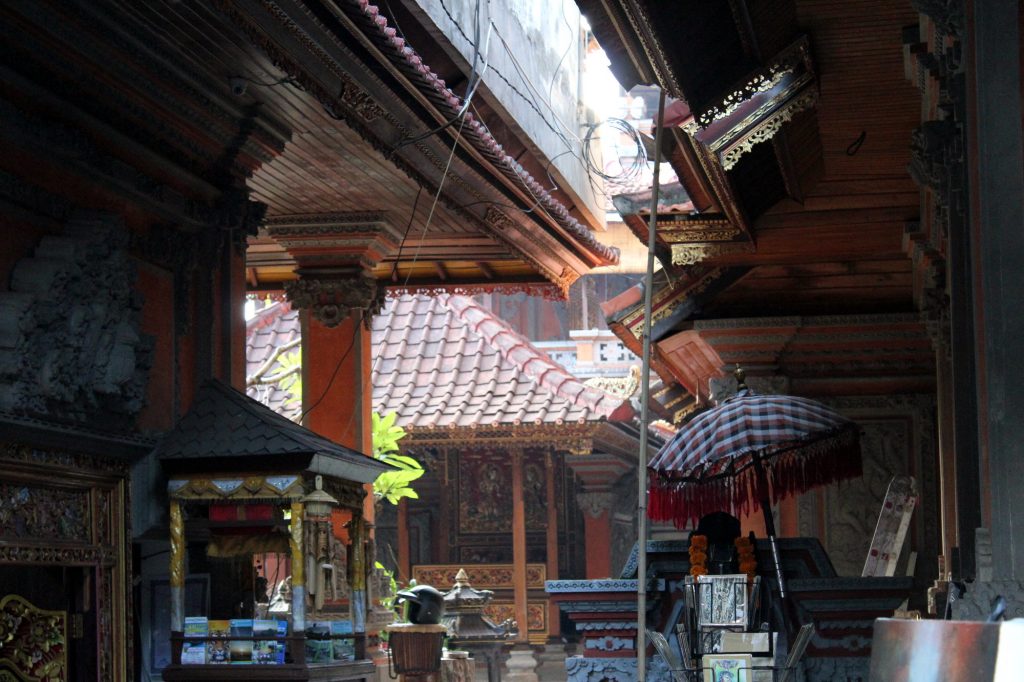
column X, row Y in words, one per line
column 711, row 463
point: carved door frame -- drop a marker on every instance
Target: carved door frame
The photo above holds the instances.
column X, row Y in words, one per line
column 99, row 488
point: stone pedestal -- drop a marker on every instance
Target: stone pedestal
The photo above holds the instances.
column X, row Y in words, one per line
column 522, row 665
column 551, row 660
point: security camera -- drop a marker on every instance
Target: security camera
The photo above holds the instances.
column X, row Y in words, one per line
column 238, row 86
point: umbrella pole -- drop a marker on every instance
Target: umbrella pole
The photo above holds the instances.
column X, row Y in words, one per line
column 645, row 396
column 790, row 617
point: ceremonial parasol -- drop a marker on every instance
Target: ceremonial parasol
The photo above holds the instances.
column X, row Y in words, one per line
column 751, row 451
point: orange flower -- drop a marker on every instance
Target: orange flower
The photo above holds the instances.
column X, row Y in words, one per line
column 698, row 557
column 699, row 541
column 698, row 570
column 748, row 567
column 742, row 542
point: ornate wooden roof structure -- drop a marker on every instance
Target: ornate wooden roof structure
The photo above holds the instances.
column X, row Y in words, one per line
column 790, row 134
column 328, row 116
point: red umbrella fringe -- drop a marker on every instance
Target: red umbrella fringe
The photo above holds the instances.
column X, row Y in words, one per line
column 789, row 472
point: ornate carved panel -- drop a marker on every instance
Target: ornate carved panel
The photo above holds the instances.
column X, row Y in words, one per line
column 33, row 642
column 71, row 509
column 484, row 493
column 44, row 513
column 72, row 345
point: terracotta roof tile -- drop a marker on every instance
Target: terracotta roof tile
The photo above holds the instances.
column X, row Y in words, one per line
column 444, row 361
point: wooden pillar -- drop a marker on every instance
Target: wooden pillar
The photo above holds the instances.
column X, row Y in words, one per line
column 519, row 546
column 298, row 569
column 554, row 624
column 404, row 564
column 177, row 567
column 995, row 146
column 947, row 454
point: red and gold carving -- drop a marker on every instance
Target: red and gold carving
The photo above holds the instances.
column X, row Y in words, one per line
column 483, row 576
column 485, row 494
column 31, row 511
column 536, row 614
column 33, row 642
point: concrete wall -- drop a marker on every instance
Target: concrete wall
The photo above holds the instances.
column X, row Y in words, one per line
column 537, row 45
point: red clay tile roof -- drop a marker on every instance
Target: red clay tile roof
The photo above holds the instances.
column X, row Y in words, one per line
column 275, row 327
column 444, row 361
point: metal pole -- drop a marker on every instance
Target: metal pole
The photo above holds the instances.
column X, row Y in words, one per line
column 645, row 395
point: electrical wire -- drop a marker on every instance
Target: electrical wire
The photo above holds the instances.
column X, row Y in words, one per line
column 475, row 78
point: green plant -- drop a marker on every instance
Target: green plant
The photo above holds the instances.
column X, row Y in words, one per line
column 393, row 485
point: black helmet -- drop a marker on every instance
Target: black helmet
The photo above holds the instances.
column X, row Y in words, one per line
column 426, row 605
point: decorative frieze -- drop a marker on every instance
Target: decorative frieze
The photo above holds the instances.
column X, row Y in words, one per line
column 692, row 254
column 795, row 56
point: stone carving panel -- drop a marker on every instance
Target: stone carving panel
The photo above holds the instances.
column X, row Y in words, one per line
column 852, row 507
column 70, row 341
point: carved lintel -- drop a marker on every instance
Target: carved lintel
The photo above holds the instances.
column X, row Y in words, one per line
column 333, row 297
column 595, row 503
column 691, row 254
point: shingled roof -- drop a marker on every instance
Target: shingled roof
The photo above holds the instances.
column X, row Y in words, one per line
column 444, row 361
column 227, row 431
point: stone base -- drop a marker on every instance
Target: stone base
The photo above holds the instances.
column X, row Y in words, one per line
column 522, row 666
column 976, row 604
column 552, row 663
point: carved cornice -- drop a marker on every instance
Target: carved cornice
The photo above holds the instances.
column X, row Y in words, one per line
column 767, row 129
column 639, row 20
column 332, row 299
column 691, row 254
column 594, row 504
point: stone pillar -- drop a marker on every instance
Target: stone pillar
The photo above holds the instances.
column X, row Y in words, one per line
column 597, row 531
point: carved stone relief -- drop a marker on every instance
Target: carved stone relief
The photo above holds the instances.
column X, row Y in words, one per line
column 852, row 507
column 898, row 437
column 70, row 341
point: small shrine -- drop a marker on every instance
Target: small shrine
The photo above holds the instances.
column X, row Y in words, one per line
column 277, row 512
column 470, row 630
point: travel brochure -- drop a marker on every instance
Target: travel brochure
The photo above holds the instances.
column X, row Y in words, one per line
column 329, row 641
column 270, row 651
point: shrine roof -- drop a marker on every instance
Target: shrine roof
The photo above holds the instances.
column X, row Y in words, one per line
column 446, row 362
column 225, row 430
